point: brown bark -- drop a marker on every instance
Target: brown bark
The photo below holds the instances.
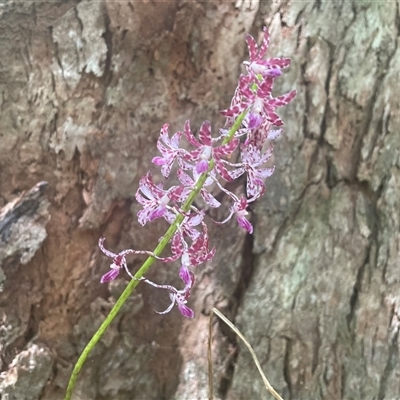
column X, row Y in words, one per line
column 85, row 89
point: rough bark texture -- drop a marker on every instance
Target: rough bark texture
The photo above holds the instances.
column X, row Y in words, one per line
column 85, row 89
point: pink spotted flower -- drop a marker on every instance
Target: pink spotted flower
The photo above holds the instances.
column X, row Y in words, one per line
column 170, row 151
column 205, row 150
column 155, row 199
column 260, row 66
column 239, row 208
column 258, row 100
column 265, row 104
column 193, row 255
column 252, row 160
column 118, row 261
column 178, row 297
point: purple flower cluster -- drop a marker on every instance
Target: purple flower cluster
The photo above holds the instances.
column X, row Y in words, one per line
column 208, row 163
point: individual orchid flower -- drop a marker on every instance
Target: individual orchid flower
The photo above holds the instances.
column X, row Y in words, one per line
column 119, row 261
column 205, row 151
column 257, row 98
column 178, row 297
column 239, row 208
column 259, row 136
column 252, row 125
column 178, row 247
column 155, row 199
column 265, row 67
column 251, row 159
column 170, row 150
column 199, row 251
column 194, row 255
column 265, row 104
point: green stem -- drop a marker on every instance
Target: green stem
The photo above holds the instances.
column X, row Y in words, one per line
column 145, row 267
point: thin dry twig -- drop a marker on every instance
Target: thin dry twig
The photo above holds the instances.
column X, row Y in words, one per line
column 253, row 354
column 209, row 357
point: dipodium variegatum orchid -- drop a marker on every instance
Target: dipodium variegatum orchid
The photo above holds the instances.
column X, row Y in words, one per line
column 252, row 124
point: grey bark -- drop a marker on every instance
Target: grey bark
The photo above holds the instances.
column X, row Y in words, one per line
column 85, row 90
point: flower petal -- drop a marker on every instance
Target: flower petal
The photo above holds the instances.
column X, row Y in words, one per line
column 202, row 166
column 209, row 199
column 110, row 275
column 205, row 133
column 186, row 311
column 245, row 224
column 186, row 276
column 108, row 253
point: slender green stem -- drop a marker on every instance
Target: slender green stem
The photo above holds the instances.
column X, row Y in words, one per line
column 145, row 267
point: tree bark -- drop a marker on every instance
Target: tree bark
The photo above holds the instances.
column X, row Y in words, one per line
column 86, row 87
